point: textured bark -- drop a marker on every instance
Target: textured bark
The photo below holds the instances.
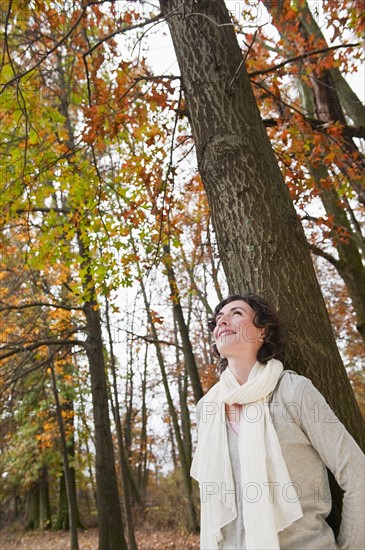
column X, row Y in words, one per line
column 261, row 242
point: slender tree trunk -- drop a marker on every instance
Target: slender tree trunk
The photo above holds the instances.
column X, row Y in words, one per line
column 45, row 518
column 193, row 521
column 183, row 329
column 182, row 380
column 90, row 437
column 111, row 531
column 128, row 419
column 215, row 268
column 143, row 449
column 261, row 241
column 70, row 487
column 127, row 477
column 32, row 506
column 63, row 519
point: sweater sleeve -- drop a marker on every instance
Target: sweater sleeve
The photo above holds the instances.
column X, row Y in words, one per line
column 341, row 454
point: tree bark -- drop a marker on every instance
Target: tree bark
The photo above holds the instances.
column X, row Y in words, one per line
column 45, row 518
column 183, row 385
column 260, row 239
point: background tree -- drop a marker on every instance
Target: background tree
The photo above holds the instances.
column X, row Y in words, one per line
column 260, row 239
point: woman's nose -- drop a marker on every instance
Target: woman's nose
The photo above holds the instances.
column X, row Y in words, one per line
column 222, row 319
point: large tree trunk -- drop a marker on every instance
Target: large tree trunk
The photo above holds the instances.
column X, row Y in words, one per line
column 261, row 242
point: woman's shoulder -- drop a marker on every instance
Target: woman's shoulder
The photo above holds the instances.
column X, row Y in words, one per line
column 290, row 385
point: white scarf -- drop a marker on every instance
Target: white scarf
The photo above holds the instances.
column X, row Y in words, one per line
column 269, row 502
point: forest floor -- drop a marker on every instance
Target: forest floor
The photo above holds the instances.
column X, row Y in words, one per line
column 88, row 540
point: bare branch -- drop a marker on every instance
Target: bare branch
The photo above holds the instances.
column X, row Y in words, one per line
column 123, row 30
column 243, row 59
column 260, row 85
column 152, row 340
column 41, row 304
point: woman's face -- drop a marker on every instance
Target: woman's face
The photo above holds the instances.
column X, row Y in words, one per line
column 235, row 331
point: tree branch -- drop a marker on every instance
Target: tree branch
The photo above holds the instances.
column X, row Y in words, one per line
column 319, row 252
column 157, row 77
column 152, row 340
column 44, row 210
column 299, row 57
column 122, row 31
column 39, row 344
column 40, row 304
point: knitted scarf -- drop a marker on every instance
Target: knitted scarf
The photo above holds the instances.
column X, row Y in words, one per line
column 267, row 508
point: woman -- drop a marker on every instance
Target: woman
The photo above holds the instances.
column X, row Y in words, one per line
column 265, row 439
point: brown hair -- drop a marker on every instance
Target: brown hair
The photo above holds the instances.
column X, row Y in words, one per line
column 266, row 316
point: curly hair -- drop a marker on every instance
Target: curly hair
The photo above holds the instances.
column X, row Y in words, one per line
column 266, row 317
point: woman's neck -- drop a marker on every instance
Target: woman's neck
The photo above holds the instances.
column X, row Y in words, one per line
column 241, row 367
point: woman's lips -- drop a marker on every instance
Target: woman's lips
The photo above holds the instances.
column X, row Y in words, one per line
column 226, row 333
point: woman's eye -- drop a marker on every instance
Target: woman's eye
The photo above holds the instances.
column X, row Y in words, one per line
column 237, row 313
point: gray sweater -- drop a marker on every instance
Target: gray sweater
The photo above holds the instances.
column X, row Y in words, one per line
column 311, row 438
